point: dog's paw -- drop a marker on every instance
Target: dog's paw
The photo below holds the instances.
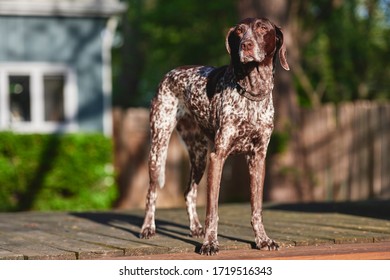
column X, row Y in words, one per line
column 197, row 233
column 147, row 232
column 268, row 243
column 209, row 248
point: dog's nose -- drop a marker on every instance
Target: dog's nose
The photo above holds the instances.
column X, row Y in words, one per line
column 247, row 45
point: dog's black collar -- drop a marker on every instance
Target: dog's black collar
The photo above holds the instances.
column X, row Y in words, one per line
column 248, row 94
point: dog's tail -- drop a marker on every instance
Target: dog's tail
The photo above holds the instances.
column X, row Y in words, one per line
column 157, row 161
column 163, row 120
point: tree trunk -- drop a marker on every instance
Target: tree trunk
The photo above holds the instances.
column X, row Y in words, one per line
column 132, row 61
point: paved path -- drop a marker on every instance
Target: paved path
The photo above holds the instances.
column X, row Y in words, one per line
column 362, row 227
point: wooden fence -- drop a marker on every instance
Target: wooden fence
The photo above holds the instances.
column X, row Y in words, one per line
column 347, row 150
column 346, row 154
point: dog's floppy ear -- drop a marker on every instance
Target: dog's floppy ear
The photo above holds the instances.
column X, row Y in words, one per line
column 232, row 44
column 227, row 40
column 281, row 49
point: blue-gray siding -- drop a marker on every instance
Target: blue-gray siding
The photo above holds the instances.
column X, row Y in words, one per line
column 74, row 41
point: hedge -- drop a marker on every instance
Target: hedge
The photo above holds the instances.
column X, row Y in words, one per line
column 56, row 172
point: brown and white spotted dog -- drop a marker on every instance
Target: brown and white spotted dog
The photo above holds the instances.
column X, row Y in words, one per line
column 232, row 108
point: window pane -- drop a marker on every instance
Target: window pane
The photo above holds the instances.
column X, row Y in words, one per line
column 54, row 97
column 20, row 99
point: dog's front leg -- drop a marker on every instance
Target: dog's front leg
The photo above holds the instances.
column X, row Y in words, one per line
column 256, row 164
column 210, row 244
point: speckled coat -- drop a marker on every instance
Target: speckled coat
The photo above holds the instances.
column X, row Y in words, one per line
column 230, row 107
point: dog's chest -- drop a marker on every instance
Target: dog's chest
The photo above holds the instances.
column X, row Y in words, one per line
column 248, row 123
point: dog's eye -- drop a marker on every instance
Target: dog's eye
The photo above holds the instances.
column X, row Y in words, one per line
column 260, row 27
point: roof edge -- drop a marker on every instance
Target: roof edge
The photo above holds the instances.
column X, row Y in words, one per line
column 94, row 8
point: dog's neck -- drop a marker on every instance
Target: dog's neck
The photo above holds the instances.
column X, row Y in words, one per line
column 255, row 81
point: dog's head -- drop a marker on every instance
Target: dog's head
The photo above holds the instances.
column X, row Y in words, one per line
column 255, row 41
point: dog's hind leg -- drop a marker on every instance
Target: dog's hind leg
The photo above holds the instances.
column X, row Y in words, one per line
column 197, row 145
column 163, row 119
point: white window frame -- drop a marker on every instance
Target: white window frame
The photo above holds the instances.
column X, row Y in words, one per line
column 37, row 71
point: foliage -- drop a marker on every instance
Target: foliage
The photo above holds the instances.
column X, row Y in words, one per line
column 345, row 53
column 166, row 34
column 55, row 172
column 342, row 45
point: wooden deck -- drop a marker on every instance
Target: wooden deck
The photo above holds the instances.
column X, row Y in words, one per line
column 304, row 231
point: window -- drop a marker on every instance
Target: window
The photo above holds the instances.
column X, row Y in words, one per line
column 37, row 97
column 19, row 95
column 53, row 87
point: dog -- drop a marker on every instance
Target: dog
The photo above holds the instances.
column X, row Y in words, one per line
column 231, row 108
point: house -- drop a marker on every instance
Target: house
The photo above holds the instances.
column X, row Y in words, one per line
column 55, row 65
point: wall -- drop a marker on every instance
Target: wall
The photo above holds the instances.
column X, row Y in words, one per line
column 74, row 41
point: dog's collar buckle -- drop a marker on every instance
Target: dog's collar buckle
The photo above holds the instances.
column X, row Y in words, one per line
column 248, row 94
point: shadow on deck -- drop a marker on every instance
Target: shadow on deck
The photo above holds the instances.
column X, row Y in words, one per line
column 114, row 234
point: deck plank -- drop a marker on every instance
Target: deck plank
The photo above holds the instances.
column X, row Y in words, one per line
column 114, row 234
column 371, row 251
column 17, row 244
column 8, row 255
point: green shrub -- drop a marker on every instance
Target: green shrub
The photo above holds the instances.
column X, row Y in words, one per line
column 56, row 172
